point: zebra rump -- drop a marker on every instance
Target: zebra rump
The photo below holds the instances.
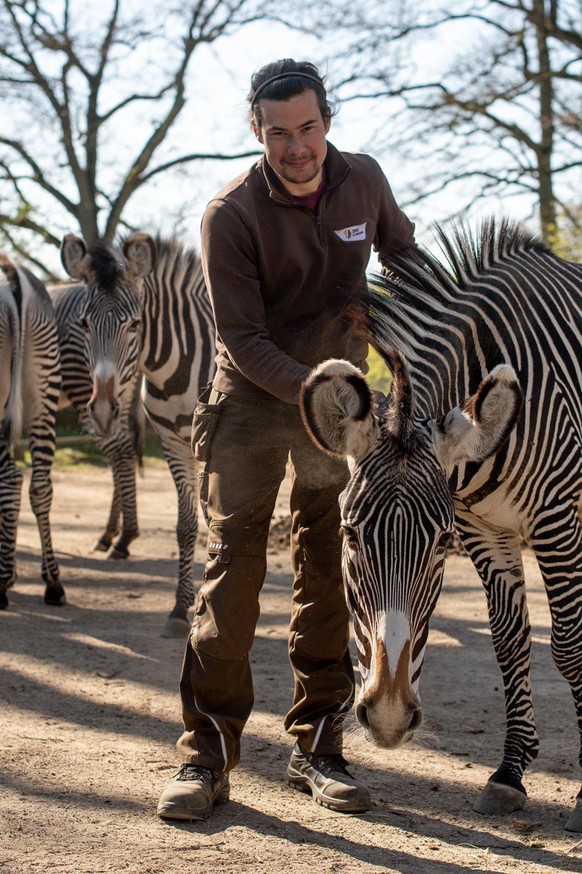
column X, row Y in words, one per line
column 29, row 390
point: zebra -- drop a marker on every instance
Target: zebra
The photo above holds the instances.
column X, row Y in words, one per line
column 147, row 313
column 29, row 391
column 124, row 448
column 482, row 431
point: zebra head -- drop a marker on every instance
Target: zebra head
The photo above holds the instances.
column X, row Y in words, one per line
column 397, row 516
column 111, row 318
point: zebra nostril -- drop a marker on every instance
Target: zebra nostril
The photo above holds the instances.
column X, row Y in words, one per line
column 362, row 715
column 415, row 719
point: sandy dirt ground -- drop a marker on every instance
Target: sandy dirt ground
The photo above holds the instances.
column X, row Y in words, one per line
column 89, row 714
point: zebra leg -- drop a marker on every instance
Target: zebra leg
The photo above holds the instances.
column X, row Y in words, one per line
column 112, row 527
column 42, row 447
column 10, row 497
column 123, row 460
column 559, row 559
column 497, row 559
column 183, row 468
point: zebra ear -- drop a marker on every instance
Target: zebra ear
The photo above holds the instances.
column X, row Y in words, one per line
column 482, row 424
column 73, row 252
column 141, row 254
column 336, row 406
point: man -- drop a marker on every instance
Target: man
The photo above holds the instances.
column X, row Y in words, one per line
column 285, row 248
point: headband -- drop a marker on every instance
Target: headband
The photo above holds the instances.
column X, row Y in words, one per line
column 283, row 76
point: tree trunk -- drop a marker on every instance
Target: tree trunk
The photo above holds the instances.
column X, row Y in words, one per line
column 547, row 202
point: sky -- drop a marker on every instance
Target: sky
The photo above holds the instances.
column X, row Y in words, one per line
column 215, row 119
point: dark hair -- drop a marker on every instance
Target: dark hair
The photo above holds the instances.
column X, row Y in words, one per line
column 281, row 80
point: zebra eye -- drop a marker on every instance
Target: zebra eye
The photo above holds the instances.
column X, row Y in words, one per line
column 350, row 537
column 134, row 326
column 84, row 323
column 445, row 539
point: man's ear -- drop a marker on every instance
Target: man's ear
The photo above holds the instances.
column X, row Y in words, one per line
column 257, row 131
column 327, row 123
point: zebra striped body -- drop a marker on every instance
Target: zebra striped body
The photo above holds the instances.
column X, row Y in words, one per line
column 123, row 448
column 29, row 391
column 507, row 301
column 147, row 313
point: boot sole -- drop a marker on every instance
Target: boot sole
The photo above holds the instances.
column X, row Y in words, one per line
column 303, row 784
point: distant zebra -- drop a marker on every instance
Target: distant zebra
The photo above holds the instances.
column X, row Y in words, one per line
column 450, row 446
column 123, row 448
column 29, row 391
column 147, row 312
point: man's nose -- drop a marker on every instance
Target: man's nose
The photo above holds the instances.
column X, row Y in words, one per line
column 293, row 145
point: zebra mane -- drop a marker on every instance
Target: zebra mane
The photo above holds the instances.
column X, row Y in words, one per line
column 470, row 254
column 172, row 245
column 106, row 265
column 415, row 288
column 173, row 254
column 397, row 409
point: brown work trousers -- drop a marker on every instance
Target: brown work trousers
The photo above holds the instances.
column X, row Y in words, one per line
column 246, row 463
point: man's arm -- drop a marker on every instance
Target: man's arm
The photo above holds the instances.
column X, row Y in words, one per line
column 230, row 269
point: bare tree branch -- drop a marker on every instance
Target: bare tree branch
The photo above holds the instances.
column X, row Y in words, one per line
column 506, row 95
column 64, row 76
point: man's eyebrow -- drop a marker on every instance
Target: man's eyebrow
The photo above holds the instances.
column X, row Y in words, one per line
column 303, row 124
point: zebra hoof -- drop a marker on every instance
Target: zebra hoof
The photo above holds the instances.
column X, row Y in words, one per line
column 55, row 596
column 102, row 545
column 574, row 823
column 118, row 553
column 3, row 601
column 176, row 627
column 497, row 799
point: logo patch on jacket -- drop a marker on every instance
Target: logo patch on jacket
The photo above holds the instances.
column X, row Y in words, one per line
column 353, row 234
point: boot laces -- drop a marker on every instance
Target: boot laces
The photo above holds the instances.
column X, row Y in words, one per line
column 330, row 764
column 194, row 772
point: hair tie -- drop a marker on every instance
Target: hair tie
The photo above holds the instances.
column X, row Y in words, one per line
column 283, row 76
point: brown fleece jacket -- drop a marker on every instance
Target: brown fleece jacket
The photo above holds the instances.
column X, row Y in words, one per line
column 281, row 277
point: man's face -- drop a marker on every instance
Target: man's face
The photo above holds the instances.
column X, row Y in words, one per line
column 293, row 134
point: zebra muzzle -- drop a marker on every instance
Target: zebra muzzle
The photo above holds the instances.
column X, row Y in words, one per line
column 104, row 407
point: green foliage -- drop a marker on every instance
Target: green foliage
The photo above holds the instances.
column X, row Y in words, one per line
column 378, row 375
column 75, row 448
column 82, row 453
column 565, row 237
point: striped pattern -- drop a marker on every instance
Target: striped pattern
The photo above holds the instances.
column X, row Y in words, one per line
column 123, row 449
column 29, row 391
column 163, row 333
column 389, row 542
column 502, row 298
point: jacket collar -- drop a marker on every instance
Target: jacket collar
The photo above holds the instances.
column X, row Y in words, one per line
column 336, row 168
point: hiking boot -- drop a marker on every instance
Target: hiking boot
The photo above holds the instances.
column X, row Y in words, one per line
column 328, row 780
column 193, row 792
